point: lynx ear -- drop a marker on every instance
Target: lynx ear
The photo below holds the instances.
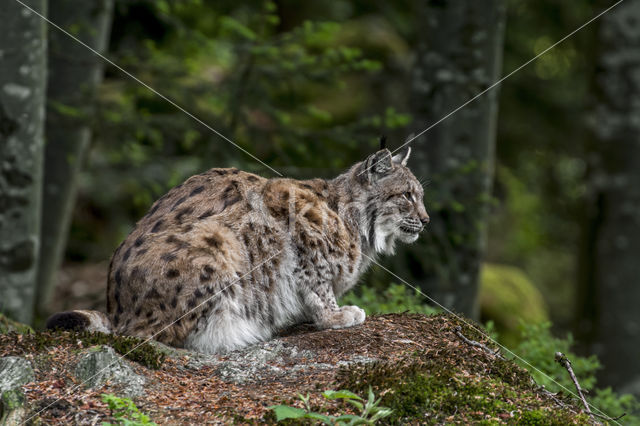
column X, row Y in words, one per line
column 378, row 164
column 402, row 158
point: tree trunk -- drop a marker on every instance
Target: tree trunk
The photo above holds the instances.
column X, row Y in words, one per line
column 74, row 75
column 609, row 317
column 459, row 55
column 23, row 50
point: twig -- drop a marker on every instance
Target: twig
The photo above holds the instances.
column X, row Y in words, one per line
column 458, row 331
column 566, row 363
column 553, row 397
column 607, row 418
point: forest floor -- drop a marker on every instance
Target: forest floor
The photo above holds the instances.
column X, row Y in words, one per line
column 417, row 364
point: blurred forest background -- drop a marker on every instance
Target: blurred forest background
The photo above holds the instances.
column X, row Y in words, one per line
column 533, row 188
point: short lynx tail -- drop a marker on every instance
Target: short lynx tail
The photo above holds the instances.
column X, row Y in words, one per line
column 80, row 321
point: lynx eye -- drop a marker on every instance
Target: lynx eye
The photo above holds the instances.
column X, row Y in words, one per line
column 409, row 196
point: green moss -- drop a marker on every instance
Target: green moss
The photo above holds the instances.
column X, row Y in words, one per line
column 433, row 397
column 8, row 325
column 547, row 417
column 508, row 297
column 132, row 348
column 12, row 399
column 442, row 396
column 454, row 382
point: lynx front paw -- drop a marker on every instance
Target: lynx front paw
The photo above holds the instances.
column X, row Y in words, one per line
column 346, row 316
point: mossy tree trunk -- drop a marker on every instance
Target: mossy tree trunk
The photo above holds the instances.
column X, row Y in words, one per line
column 609, row 318
column 459, row 55
column 74, row 75
column 23, row 51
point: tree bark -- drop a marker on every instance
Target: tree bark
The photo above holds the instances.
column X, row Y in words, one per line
column 459, row 55
column 23, row 51
column 74, row 75
column 609, row 318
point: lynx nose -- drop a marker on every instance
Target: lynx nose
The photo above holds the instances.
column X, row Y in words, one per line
column 425, row 219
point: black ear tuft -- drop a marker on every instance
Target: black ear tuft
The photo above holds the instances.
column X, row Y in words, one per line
column 70, row 320
column 383, row 142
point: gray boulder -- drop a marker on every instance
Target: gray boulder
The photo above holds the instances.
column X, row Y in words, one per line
column 101, row 365
column 14, row 372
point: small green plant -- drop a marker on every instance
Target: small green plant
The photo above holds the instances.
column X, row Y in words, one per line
column 370, row 409
column 124, row 411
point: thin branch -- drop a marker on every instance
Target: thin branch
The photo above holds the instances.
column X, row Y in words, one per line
column 458, row 331
column 607, row 418
column 566, row 363
column 553, row 397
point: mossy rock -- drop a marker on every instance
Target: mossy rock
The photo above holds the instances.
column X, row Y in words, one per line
column 8, row 325
column 133, row 348
column 507, row 297
column 100, row 365
column 13, row 409
column 456, row 384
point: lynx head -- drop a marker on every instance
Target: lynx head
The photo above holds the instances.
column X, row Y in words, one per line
column 394, row 209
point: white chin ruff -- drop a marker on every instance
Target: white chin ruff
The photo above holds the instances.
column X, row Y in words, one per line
column 408, row 238
column 385, row 239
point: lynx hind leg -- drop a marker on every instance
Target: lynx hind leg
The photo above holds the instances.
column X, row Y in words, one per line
column 235, row 322
column 326, row 313
column 226, row 332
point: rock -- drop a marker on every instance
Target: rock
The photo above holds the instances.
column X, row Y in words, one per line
column 267, row 361
column 417, row 364
column 13, row 408
column 14, row 372
column 101, row 365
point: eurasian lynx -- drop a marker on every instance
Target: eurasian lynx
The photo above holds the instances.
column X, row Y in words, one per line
column 228, row 258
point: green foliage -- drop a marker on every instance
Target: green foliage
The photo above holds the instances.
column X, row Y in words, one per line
column 614, row 405
column 395, row 298
column 125, row 412
column 538, row 347
column 370, row 410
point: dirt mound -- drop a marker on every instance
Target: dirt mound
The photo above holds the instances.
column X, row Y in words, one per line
column 417, row 364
